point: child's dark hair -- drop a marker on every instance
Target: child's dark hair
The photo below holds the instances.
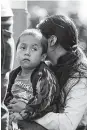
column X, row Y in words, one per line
column 36, row 33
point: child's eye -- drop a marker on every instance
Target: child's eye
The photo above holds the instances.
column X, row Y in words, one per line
column 22, row 47
column 34, row 49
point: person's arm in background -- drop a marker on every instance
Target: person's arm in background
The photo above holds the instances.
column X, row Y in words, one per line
column 7, row 45
column 76, row 104
column 7, row 56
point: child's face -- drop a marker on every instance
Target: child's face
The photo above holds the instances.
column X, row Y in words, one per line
column 29, row 51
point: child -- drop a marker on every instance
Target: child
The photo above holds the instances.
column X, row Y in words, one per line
column 32, row 84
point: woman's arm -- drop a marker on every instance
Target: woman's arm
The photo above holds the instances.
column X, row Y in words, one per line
column 76, row 104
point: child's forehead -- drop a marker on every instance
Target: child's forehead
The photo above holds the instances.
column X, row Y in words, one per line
column 31, row 36
column 30, row 40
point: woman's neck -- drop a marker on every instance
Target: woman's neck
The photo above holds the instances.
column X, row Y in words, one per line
column 59, row 51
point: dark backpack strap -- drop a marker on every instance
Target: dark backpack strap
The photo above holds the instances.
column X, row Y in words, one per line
column 12, row 78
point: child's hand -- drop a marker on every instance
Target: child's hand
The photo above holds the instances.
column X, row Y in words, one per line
column 15, row 117
column 9, row 127
column 13, row 101
column 17, row 107
column 11, row 118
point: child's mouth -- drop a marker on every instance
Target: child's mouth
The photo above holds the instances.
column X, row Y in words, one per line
column 26, row 60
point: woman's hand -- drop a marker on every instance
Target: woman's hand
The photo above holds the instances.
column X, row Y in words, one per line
column 49, row 121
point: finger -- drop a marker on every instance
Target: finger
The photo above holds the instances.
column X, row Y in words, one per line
column 14, row 100
column 11, row 107
column 12, row 110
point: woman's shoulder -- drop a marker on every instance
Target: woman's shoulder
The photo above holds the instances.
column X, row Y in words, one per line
column 83, row 63
column 79, row 76
column 76, row 84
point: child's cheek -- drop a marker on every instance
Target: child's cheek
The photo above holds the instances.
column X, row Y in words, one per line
column 18, row 57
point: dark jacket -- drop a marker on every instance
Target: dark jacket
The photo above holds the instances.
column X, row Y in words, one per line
column 45, row 92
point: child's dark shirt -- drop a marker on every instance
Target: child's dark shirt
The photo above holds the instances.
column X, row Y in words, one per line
column 45, row 92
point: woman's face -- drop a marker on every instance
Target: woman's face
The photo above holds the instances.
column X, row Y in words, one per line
column 51, row 53
column 55, row 52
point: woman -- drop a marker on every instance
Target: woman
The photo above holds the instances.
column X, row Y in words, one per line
column 70, row 67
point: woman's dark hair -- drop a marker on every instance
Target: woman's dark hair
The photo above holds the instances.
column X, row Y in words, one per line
column 67, row 65
column 35, row 33
column 62, row 27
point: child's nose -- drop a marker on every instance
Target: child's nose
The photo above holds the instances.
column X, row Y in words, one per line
column 28, row 52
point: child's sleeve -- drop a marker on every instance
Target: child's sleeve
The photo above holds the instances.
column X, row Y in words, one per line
column 44, row 101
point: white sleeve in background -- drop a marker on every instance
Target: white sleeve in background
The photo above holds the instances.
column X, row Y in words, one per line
column 6, row 10
column 76, row 104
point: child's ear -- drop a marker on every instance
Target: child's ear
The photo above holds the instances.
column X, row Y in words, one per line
column 43, row 57
column 52, row 40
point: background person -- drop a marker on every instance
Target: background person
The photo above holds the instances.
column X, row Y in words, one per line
column 7, row 56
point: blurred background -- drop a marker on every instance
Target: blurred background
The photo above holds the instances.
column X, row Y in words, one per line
column 27, row 14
